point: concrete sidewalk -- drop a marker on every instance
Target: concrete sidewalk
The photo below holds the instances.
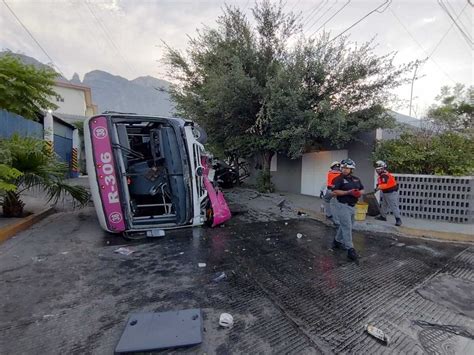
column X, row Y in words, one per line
column 411, row 226
column 36, row 208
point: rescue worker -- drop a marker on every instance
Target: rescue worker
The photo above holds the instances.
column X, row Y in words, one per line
column 347, row 189
column 334, row 172
column 388, row 187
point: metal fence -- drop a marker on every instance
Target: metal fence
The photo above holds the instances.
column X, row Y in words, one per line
column 439, row 198
column 11, row 123
column 63, row 148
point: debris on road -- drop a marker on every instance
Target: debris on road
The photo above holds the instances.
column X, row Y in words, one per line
column 155, row 232
column 202, row 264
column 377, row 333
column 226, row 320
column 299, row 235
column 219, row 277
column 281, row 204
column 150, row 331
column 453, row 329
column 255, row 196
column 124, row 251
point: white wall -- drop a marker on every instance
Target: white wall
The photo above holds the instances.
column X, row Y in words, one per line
column 74, row 101
column 314, row 169
column 273, row 163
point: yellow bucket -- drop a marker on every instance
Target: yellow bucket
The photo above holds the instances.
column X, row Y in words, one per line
column 361, row 209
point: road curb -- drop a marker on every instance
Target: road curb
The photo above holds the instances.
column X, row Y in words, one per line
column 10, row 230
column 404, row 231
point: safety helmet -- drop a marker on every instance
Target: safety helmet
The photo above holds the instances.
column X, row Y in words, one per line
column 335, row 164
column 380, row 164
column 348, row 163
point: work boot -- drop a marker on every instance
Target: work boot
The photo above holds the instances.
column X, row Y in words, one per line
column 337, row 245
column 352, row 255
column 398, row 222
column 381, row 218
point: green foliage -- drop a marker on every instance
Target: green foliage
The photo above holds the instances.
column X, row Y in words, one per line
column 25, row 89
column 7, row 173
column 256, row 95
column 39, row 168
column 455, row 110
column 448, row 153
column 264, row 183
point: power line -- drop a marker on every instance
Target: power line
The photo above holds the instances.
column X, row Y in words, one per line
column 315, row 11
column 320, row 17
column 296, row 3
column 32, row 37
column 446, row 33
column 362, row 18
column 112, row 42
column 329, row 19
column 455, row 21
column 419, row 45
column 457, row 18
column 465, row 35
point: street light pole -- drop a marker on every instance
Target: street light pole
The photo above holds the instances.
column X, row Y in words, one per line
column 412, row 83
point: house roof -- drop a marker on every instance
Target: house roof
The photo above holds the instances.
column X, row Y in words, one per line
column 408, row 120
column 70, row 118
column 63, row 122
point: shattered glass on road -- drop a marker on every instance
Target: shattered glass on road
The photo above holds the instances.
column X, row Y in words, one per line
column 65, row 290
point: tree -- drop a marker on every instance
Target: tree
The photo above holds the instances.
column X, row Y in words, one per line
column 7, row 173
column 25, row 89
column 34, row 166
column 256, row 94
column 444, row 146
column 455, row 109
column 447, row 153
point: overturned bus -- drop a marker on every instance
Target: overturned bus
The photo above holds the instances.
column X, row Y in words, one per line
column 150, row 173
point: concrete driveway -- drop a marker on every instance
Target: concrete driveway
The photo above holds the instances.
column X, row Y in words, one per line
column 64, row 290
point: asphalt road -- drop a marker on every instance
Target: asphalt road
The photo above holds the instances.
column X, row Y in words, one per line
column 64, row 290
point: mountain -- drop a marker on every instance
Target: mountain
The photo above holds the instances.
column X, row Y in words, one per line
column 145, row 95
column 30, row 61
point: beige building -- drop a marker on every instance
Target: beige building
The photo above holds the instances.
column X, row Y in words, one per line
column 75, row 103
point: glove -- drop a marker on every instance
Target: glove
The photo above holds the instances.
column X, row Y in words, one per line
column 356, row 193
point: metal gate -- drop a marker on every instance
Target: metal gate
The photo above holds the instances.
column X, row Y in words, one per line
column 63, row 148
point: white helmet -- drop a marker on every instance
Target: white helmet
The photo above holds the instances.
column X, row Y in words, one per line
column 335, row 164
column 380, row 164
column 348, row 163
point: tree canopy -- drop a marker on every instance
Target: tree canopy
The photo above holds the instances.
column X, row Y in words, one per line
column 447, row 153
column 444, row 146
column 264, row 88
column 25, row 89
column 455, row 109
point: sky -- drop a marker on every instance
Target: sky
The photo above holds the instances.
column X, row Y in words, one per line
column 125, row 37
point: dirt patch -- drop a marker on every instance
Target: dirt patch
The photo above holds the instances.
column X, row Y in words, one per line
column 248, row 205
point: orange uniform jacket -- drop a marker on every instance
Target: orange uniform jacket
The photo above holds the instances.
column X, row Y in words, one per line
column 386, row 182
column 332, row 174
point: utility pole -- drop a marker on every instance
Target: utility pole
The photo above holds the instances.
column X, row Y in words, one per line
column 412, row 83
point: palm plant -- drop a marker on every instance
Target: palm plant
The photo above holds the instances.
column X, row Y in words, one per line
column 41, row 169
